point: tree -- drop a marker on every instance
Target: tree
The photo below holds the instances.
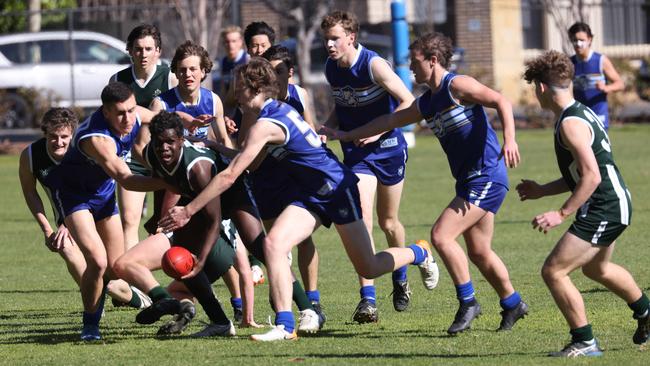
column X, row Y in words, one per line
column 307, row 16
column 564, row 13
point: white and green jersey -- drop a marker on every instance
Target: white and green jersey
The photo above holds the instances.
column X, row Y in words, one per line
column 611, row 200
column 158, row 83
column 179, row 175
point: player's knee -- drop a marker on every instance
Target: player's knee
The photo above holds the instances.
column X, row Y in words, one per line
column 97, row 264
column 273, row 248
column 438, row 240
column 131, row 218
column 119, row 267
column 549, row 273
column 388, row 225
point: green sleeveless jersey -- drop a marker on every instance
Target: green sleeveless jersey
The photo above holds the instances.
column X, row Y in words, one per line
column 157, row 84
column 179, row 175
column 610, row 201
column 44, row 169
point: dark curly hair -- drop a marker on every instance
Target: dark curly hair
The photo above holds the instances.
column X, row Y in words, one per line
column 187, row 49
column 259, row 76
column 551, row 68
column 56, row 118
column 435, row 44
column 166, row 121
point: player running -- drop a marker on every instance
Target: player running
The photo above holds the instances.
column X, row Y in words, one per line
column 453, row 109
column 598, row 197
column 364, row 86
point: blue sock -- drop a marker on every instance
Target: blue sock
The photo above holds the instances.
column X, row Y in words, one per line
column 369, row 293
column 511, row 301
column 400, row 274
column 236, row 302
column 313, row 296
column 285, row 318
column 419, row 252
column 94, row 318
column 465, row 292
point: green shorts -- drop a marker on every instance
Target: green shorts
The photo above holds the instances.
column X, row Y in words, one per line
column 601, row 233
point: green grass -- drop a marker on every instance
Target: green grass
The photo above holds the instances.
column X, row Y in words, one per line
column 40, row 306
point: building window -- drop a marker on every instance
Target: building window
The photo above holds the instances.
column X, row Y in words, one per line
column 532, row 21
column 625, row 22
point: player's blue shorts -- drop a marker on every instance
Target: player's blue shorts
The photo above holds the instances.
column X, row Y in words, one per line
column 272, row 199
column 389, row 171
column 487, row 195
column 100, row 207
column 342, row 208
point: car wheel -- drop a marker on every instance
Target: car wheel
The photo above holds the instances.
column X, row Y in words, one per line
column 15, row 112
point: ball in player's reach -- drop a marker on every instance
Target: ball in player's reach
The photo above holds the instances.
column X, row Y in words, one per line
column 177, row 262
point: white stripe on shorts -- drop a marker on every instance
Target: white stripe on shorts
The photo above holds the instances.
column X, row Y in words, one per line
column 599, row 232
column 620, row 193
column 351, row 202
column 483, row 194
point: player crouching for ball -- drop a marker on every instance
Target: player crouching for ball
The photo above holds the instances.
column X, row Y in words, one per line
column 189, row 169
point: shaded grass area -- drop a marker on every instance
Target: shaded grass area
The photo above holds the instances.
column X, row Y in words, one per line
column 40, row 306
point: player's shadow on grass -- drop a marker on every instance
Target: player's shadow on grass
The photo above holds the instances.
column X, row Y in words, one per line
column 37, row 291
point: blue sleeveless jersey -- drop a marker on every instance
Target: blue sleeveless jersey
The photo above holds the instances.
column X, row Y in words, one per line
column 465, row 134
column 79, row 173
column 587, row 74
column 172, row 102
column 313, row 167
column 358, row 100
column 294, row 99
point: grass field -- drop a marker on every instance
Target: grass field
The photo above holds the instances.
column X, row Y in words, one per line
column 40, row 306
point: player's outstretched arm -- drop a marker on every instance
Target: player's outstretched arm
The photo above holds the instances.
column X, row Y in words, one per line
column 32, row 198
column 102, row 151
column 531, row 190
column 470, row 91
column 378, row 125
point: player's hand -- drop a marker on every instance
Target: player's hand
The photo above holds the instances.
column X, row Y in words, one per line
column 546, row 221
column 231, row 126
column 510, row 151
column 198, row 267
column 602, row 86
column 50, row 240
column 176, row 218
column 529, row 190
column 366, row 140
column 331, row 133
column 60, row 237
column 202, row 121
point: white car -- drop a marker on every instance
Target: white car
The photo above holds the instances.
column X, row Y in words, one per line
column 73, row 66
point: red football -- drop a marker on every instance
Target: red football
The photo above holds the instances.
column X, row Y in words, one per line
column 177, row 262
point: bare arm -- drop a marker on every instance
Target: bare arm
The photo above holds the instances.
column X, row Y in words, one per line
column 102, row 151
column 576, row 136
column 200, row 176
column 258, row 136
column 470, row 91
column 388, row 79
column 219, row 124
column 32, row 198
column 615, row 83
column 378, row 125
